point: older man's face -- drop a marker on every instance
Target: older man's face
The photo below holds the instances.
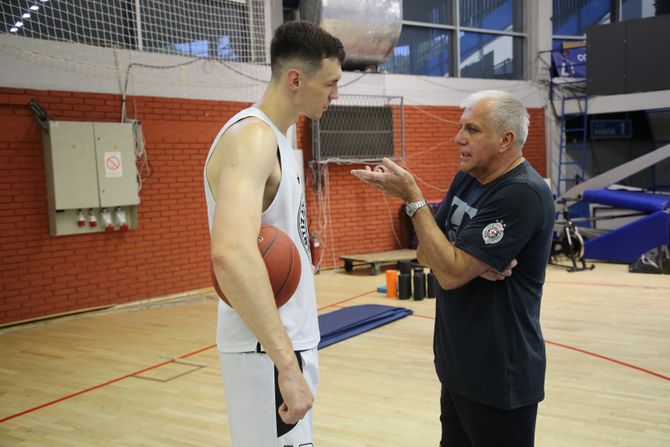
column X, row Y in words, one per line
column 478, row 141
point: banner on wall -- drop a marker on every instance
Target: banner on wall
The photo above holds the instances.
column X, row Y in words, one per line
column 570, row 62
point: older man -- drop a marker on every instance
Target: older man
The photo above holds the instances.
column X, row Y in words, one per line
column 489, row 349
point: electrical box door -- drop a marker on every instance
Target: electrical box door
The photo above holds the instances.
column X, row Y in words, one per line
column 70, row 165
column 117, row 173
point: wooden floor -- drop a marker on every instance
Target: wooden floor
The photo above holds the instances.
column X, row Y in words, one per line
column 109, row 379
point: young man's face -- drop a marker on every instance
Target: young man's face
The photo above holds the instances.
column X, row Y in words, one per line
column 320, row 89
column 478, row 141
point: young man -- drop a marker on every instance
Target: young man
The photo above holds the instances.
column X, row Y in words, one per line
column 489, row 350
column 268, row 355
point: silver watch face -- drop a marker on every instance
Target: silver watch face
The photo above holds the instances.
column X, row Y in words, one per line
column 410, row 210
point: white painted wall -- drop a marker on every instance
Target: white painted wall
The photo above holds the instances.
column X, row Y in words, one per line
column 47, row 65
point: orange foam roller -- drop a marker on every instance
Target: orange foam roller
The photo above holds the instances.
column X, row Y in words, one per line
column 391, row 283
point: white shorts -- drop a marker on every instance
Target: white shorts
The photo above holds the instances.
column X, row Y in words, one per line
column 252, row 397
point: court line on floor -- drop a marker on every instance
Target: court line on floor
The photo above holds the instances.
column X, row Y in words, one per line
column 583, row 351
column 109, row 382
column 158, row 365
column 337, row 304
column 609, row 359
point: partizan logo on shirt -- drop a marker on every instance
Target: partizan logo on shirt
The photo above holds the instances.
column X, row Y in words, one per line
column 302, row 227
column 493, row 233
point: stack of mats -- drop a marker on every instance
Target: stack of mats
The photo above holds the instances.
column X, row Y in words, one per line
column 349, row 321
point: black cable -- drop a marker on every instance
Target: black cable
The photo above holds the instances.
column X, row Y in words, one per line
column 241, row 73
column 40, row 114
column 137, row 64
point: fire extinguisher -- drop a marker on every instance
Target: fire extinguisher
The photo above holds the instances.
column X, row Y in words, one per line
column 315, row 248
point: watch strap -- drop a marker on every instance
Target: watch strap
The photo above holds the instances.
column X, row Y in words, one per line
column 412, row 207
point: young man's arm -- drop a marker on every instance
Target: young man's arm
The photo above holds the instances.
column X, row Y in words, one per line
column 247, row 158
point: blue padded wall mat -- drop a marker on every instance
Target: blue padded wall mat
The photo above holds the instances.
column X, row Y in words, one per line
column 629, row 242
column 632, row 200
column 353, row 320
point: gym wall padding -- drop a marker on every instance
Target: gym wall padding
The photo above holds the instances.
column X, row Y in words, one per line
column 632, row 200
column 629, row 242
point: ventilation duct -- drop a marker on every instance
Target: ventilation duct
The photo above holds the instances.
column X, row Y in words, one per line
column 368, row 29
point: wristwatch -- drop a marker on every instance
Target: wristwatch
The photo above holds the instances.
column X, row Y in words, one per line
column 412, row 207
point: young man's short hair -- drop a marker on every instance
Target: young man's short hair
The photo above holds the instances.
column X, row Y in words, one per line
column 304, row 43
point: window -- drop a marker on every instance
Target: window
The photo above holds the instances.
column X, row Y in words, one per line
column 490, row 56
column 107, row 24
column 640, row 9
column 569, row 21
column 488, row 38
column 420, row 50
column 219, row 30
column 427, row 11
column 223, row 29
column 497, row 15
column 572, row 17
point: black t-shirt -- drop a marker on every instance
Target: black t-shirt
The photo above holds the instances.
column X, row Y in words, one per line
column 488, row 342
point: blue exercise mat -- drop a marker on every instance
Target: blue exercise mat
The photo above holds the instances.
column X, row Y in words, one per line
column 345, row 323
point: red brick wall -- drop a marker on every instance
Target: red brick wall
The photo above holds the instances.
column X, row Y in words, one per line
column 169, row 252
column 363, row 220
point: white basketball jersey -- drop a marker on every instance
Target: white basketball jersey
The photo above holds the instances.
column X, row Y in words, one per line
column 286, row 212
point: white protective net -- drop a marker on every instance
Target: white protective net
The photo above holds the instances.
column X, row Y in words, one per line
column 210, row 44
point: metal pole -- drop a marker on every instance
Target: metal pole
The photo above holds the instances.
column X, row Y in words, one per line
column 138, row 22
column 252, row 30
column 402, row 125
column 456, row 60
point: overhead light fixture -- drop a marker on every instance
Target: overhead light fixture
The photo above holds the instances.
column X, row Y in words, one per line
column 13, row 29
column 26, row 15
column 18, row 24
column 34, row 7
column 44, row 1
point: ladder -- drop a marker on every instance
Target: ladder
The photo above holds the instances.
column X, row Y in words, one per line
column 572, row 164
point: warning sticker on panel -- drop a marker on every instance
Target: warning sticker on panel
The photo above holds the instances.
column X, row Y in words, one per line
column 113, row 166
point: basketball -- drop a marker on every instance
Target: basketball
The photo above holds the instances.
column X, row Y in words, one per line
column 282, row 262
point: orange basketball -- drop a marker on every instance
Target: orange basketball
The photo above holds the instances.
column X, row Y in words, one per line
column 282, row 261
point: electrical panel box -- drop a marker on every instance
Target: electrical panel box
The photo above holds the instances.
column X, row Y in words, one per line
column 91, row 177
